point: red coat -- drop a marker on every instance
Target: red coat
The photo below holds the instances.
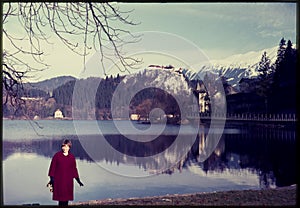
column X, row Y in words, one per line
column 63, row 169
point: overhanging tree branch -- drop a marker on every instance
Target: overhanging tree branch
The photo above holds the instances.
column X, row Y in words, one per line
column 81, row 27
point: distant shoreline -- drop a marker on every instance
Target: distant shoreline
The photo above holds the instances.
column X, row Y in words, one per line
column 271, row 124
column 25, row 119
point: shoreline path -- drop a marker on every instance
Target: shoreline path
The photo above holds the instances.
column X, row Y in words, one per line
column 283, row 196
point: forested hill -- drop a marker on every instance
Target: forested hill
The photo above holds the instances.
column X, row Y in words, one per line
column 86, row 89
column 49, row 85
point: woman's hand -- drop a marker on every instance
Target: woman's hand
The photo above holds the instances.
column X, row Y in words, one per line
column 79, row 182
column 51, row 182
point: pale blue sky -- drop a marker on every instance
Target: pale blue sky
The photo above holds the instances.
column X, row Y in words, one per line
column 218, row 29
column 221, row 29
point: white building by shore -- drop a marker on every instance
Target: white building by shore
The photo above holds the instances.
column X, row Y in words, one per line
column 58, row 114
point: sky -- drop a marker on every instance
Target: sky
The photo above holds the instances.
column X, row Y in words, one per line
column 216, row 30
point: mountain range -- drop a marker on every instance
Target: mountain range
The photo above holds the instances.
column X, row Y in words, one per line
column 234, row 68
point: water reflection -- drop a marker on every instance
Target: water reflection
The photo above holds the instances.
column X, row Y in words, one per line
column 270, row 153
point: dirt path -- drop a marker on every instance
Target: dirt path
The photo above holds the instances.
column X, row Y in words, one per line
column 285, row 196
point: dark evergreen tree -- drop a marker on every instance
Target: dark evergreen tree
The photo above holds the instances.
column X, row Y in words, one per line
column 284, row 82
column 207, row 85
column 280, row 52
column 264, row 67
column 263, row 87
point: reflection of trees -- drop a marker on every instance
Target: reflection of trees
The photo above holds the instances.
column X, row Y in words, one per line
column 272, row 158
column 44, row 147
column 266, row 179
column 268, row 154
column 271, row 153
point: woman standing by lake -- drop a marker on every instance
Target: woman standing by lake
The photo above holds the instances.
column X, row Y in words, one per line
column 62, row 171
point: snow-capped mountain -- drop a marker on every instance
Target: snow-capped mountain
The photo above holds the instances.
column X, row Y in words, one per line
column 162, row 79
column 234, row 67
column 246, row 60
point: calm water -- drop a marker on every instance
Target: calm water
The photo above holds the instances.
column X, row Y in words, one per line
column 244, row 158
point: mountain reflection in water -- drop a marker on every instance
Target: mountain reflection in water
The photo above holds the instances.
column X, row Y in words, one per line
column 270, row 153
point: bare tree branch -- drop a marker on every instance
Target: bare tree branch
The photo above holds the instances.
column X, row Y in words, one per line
column 82, row 27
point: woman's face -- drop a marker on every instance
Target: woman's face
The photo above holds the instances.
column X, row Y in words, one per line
column 65, row 148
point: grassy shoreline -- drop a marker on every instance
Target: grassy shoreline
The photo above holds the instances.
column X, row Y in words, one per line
column 283, row 196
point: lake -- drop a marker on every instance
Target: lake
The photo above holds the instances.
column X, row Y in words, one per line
column 115, row 160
